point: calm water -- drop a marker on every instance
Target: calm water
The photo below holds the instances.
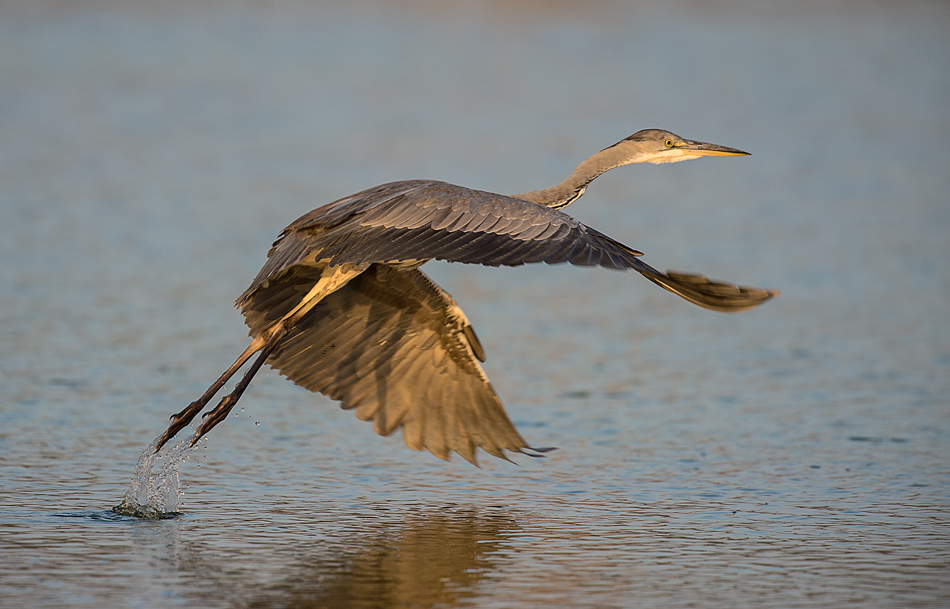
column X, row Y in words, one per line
column 796, row 455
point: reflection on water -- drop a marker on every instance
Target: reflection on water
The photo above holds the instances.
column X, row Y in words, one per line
column 434, row 559
column 435, row 556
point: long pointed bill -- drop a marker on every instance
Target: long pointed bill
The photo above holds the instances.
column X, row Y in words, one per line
column 705, row 149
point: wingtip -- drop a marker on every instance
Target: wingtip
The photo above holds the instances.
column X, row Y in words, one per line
column 713, row 294
column 538, row 453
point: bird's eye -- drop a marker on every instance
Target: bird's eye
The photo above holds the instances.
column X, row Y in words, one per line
column 669, row 143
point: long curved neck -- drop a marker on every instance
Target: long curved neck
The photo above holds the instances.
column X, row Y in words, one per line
column 571, row 189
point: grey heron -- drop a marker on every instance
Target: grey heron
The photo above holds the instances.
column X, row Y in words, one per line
column 341, row 307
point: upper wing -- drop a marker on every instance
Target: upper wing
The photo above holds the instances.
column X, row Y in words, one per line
column 423, row 220
column 396, row 348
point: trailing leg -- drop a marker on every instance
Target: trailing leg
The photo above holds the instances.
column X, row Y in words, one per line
column 227, row 402
column 330, row 280
column 183, row 418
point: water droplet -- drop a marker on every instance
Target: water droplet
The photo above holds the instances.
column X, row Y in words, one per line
column 151, row 494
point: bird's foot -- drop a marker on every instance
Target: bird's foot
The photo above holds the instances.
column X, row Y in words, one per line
column 180, row 421
column 214, row 417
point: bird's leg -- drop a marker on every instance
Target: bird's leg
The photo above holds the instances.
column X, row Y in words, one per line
column 182, row 419
column 266, row 341
column 227, row 402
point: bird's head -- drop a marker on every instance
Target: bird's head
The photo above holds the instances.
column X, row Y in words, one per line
column 658, row 146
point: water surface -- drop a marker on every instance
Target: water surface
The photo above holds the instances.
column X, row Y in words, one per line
column 795, row 455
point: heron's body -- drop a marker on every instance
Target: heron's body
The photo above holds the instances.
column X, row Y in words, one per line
column 341, row 307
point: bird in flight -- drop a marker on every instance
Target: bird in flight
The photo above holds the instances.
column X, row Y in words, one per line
column 341, row 307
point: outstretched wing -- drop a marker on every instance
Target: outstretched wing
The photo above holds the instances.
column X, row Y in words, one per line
column 402, row 222
column 395, row 348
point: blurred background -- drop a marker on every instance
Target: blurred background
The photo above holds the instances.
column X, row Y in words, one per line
column 795, row 455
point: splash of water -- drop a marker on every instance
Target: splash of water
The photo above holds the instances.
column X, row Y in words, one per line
column 155, row 495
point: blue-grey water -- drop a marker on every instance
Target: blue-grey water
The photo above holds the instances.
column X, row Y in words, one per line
column 797, row 455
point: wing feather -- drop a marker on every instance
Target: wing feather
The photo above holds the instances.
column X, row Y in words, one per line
column 423, row 220
column 395, row 347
